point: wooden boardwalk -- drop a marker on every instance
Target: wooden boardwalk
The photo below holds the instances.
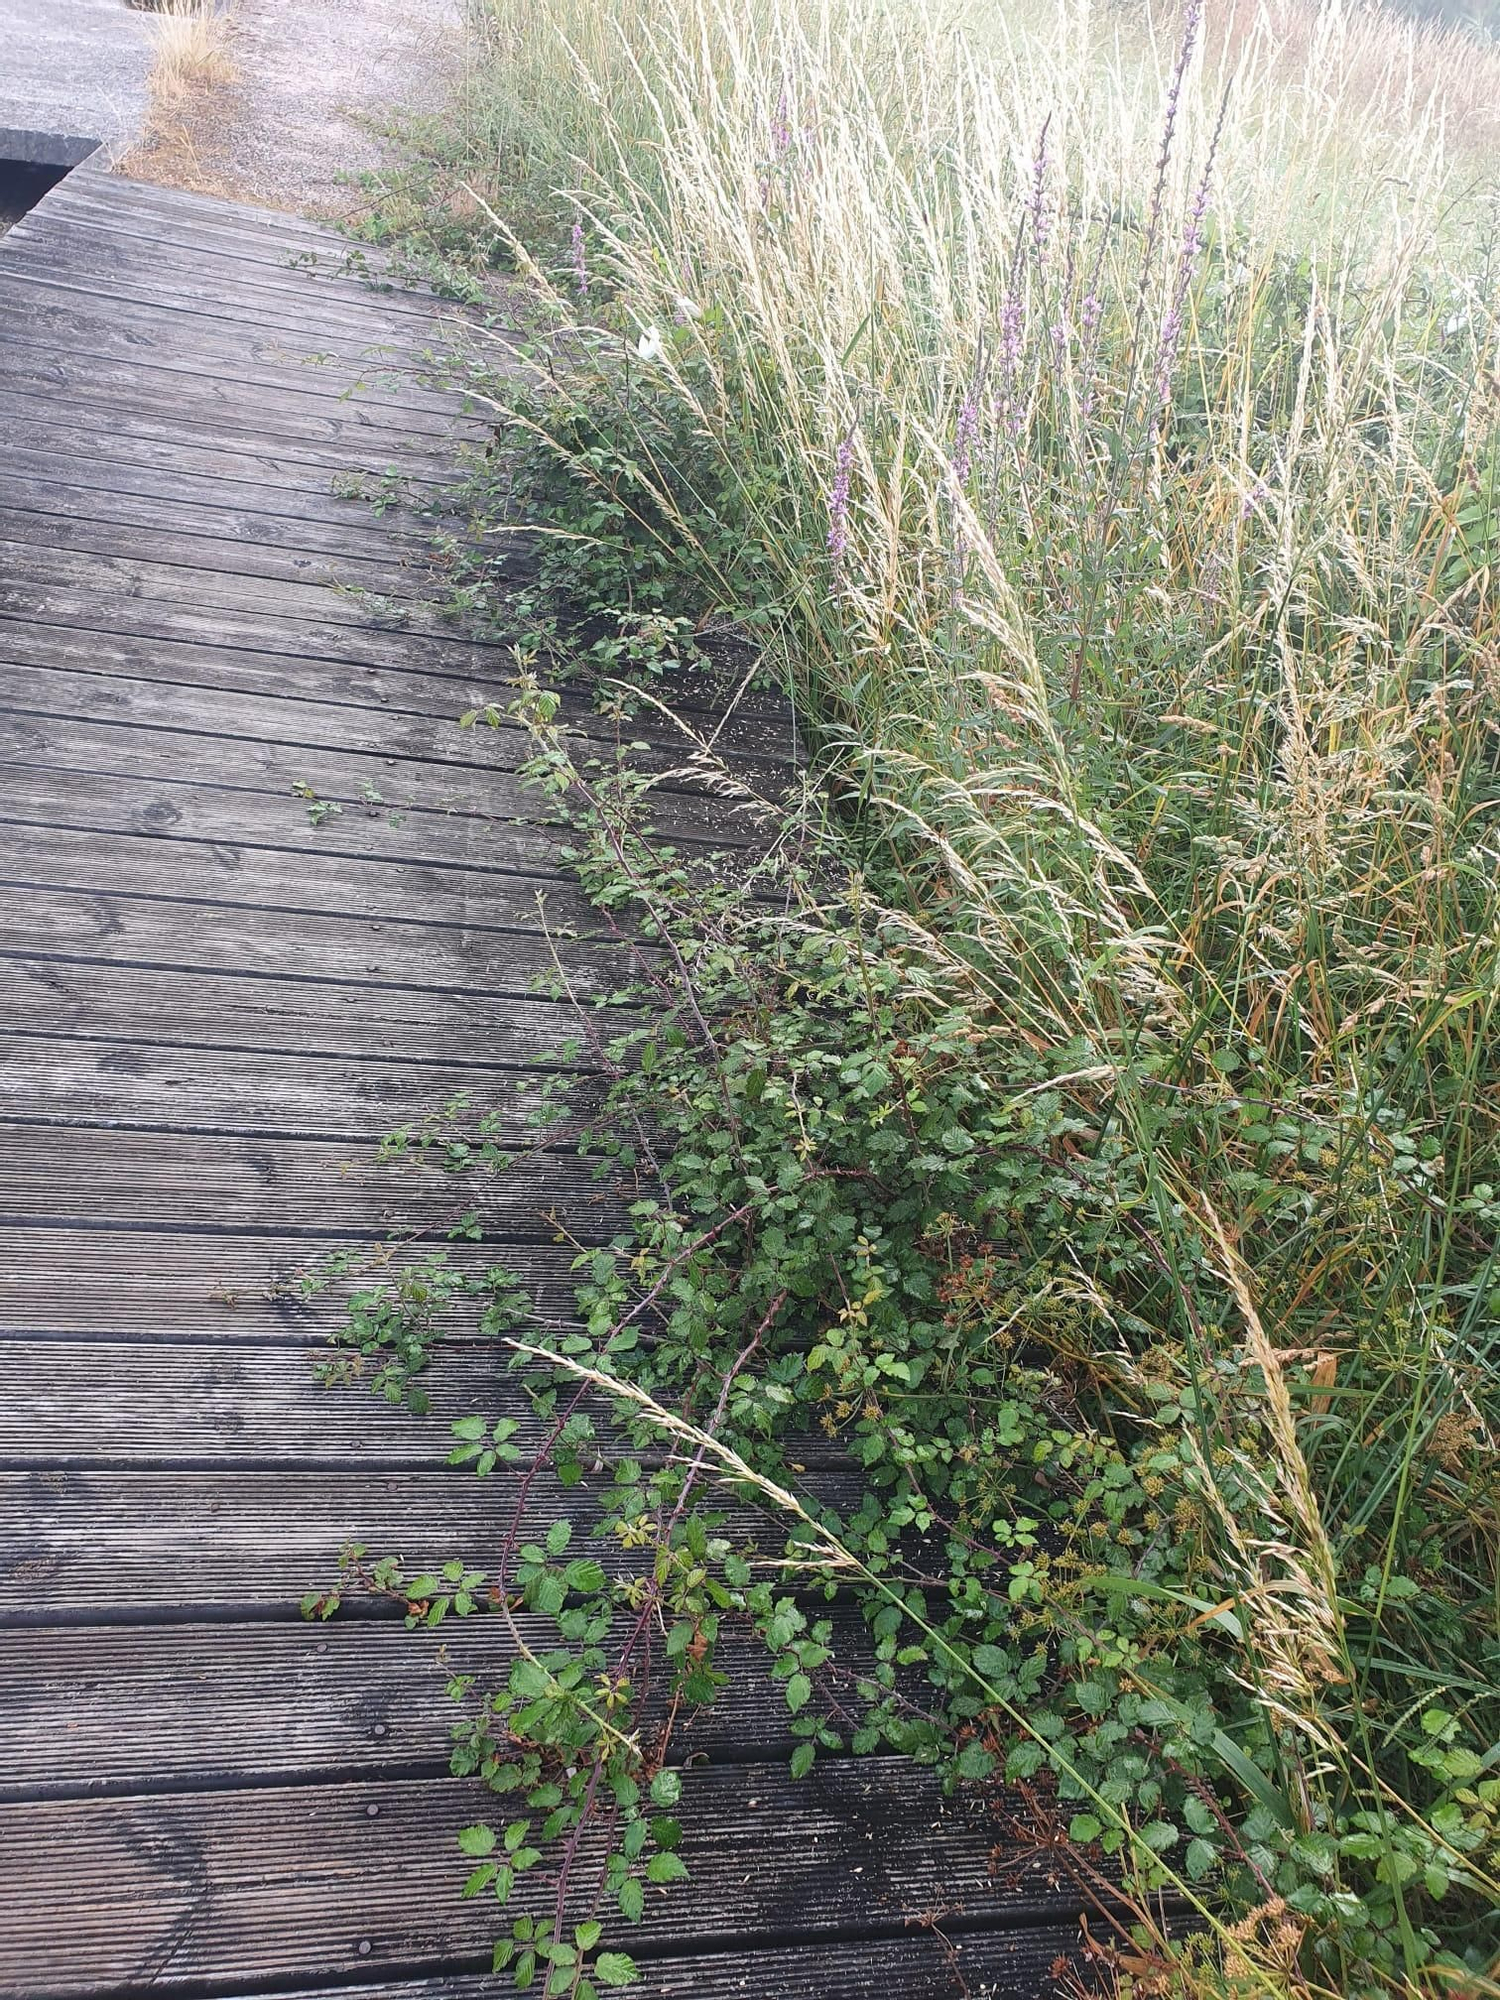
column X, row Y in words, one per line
column 212, row 1010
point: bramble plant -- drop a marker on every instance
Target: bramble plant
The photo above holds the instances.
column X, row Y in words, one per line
column 1067, row 1164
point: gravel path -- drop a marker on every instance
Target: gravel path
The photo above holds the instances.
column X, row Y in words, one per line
column 316, row 80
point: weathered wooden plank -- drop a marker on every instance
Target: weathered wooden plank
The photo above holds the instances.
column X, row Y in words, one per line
column 358, row 428
column 68, row 459
column 319, row 273
column 80, row 1545
column 279, row 372
column 397, row 737
column 420, row 672
column 174, row 796
column 301, row 1884
column 197, row 348
column 331, row 280
column 111, row 928
column 938, row 1963
column 206, row 1406
column 267, row 878
column 273, row 1702
column 193, row 444
column 285, row 711
column 123, row 195
column 289, row 1186
column 159, row 1082
column 239, row 576
column 115, row 271
column 214, row 1285
column 204, row 1010
column 195, row 808
column 313, row 262
column 58, row 629
column 275, row 714
column 88, row 488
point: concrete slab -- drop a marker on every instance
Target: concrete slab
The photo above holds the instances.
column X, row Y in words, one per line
column 73, row 69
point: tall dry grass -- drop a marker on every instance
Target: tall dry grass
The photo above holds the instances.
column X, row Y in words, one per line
column 1106, row 401
column 191, row 50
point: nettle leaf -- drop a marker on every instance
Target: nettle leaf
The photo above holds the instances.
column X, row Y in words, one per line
column 614, row 1968
column 802, row 1759
column 477, row 1841
column 632, row 1900
column 798, row 1692
column 666, row 1867
column 587, row 1934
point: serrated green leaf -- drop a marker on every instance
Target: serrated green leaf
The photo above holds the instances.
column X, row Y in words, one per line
column 975, row 1762
column 1200, row 1859
column 614, row 1968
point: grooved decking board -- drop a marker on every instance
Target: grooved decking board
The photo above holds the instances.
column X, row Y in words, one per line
column 271, row 1703
column 211, row 1011
column 287, row 1186
column 979, row 1965
column 185, row 1405
column 115, row 275
column 96, row 1080
column 106, row 1544
column 192, row 442
column 94, row 495
column 114, row 928
column 105, row 633
column 265, row 878
column 352, row 434
column 283, row 362
column 241, row 576
column 218, row 1285
column 52, row 590
column 181, row 805
column 165, row 1008
column 284, row 1885
column 290, row 715
column 373, row 395
column 68, row 463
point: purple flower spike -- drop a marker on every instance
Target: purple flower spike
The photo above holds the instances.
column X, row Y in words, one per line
column 965, row 431
column 781, row 126
column 1040, row 221
column 838, row 501
column 580, row 262
column 1010, row 334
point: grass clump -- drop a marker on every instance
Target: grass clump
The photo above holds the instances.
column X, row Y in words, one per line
column 1096, row 419
column 190, row 44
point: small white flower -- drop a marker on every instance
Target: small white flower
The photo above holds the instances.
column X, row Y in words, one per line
column 687, row 309
column 649, row 346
